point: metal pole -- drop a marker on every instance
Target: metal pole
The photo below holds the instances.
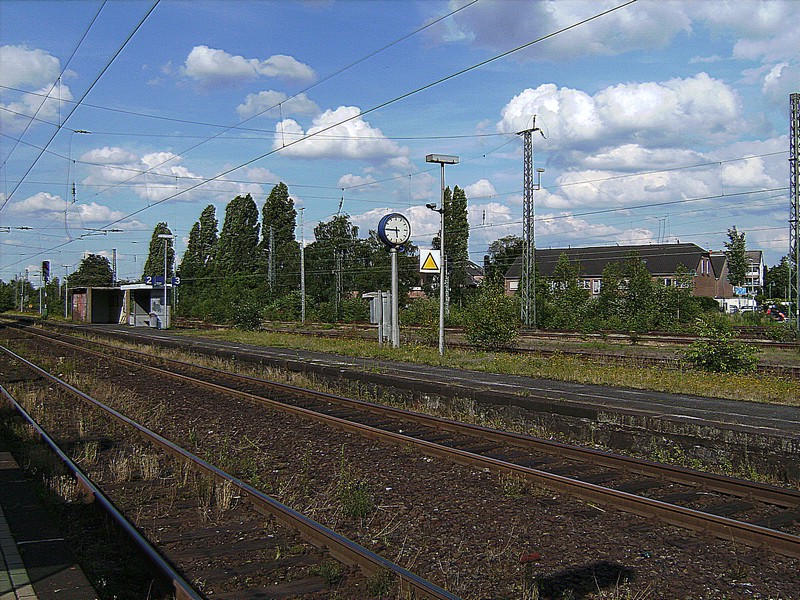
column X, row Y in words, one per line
column 443, row 274
column 66, row 291
column 165, row 284
column 302, row 268
column 395, row 302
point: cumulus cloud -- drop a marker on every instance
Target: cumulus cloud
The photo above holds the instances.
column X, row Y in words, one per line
column 482, row 188
column 36, row 70
column 501, row 25
column 154, row 176
column 275, row 104
column 648, row 114
column 342, row 133
column 212, row 67
column 52, row 207
column 356, row 183
column 26, row 67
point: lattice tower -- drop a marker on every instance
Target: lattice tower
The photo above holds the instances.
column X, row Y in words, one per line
column 794, row 200
column 528, row 274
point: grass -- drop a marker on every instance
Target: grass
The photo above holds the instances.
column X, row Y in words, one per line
column 754, row 388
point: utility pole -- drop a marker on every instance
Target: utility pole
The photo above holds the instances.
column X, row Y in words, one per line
column 794, row 199
column 302, row 268
column 528, row 275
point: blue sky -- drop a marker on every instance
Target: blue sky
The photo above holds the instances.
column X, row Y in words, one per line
column 664, row 120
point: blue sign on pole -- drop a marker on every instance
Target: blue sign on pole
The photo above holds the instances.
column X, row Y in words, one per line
column 740, row 291
column 159, row 280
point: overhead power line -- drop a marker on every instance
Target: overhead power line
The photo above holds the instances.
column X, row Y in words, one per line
column 78, row 103
column 347, row 120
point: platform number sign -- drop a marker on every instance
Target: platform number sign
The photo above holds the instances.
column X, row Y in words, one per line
column 46, row 271
column 159, row 280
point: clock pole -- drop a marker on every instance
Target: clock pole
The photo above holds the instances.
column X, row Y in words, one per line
column 395, row 300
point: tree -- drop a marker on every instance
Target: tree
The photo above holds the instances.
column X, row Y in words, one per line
column 278, row 222
column 155, row 258
column 94, row 271
column 456, row 242
column 237, row 248
column 778, row 279
column 199, row 255
column 332, row 262
column 736, row 253
column 502, row 254
column 639, row 302
column 566, row 298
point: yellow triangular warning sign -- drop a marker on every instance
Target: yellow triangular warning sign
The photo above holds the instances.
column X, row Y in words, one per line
column 429, row 262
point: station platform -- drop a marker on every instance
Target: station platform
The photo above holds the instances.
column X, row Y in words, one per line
column 36, row 562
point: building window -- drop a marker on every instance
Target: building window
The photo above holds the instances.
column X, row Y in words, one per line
column 513, row 285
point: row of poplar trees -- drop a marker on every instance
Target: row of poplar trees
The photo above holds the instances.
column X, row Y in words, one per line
column 250, row 268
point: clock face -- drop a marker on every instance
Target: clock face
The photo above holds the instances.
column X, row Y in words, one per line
column 394, row 230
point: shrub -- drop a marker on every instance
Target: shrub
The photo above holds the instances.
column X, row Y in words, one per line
column 285, row 307
column 423, row 312
column 247, row 315
column 491, row 321
column 717, row 351
column 355, row 310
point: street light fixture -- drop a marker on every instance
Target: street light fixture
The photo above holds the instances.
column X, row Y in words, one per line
column 442, row 159
column 165, row 308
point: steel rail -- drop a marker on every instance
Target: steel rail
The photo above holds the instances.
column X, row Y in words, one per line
column 339, row 546
column 183, row 590
column 722, row 527
column 706, row 481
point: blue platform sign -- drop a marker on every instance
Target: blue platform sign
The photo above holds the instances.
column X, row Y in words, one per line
column 158, row 280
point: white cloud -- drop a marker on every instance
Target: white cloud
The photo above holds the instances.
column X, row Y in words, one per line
column 212, row 67
column 356, row 183
column 155, row 176
column 342, row 133
column 25, row 67
column 699, row 108
column 482, row 189
column 48, row 206
column 268, row 102
column 501, row 25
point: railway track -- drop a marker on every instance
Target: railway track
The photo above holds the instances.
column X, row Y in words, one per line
column 235, row 538
column 750, row 513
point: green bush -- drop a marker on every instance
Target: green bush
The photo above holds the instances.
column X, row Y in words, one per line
column 355, row 310
column 247, row 315
column 285, row 308
column 717, row 351
column 491, row 321
column 423, row 312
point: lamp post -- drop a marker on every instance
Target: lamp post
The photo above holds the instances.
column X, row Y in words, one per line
column 66, row 291
column 165, row 237
column 442, row 159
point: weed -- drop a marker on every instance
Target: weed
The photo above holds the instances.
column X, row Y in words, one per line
column 331, row 571
column 120, row 468
column 225, row 495
column 513, row 486
column 380, row 583
column 87, row 454
column 354, row 493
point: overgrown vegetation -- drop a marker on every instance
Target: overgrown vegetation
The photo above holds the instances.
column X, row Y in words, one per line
column 718, row 351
